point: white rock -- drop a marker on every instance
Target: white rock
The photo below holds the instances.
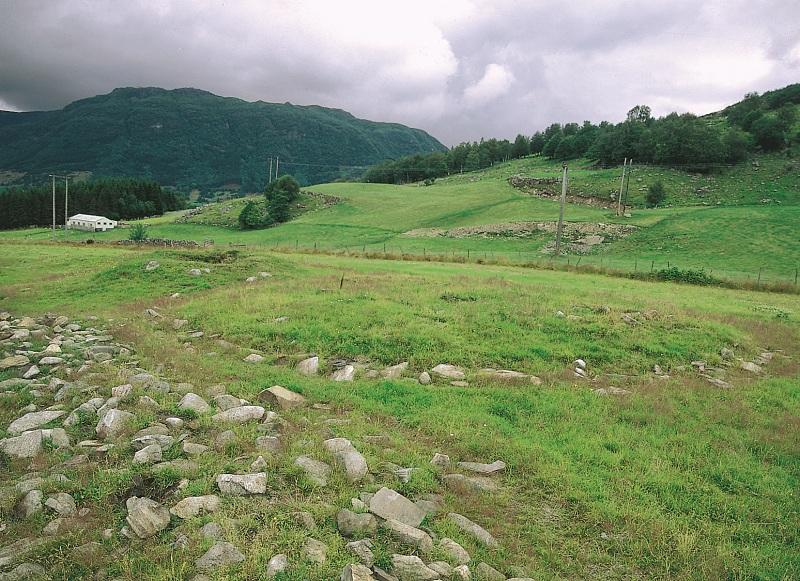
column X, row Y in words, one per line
column 448, row 371
column 148, row 455
column 146, row 517
column 195, row 505
column 309, row 366
column 192, row 401
column 240, row 415
column 254, row 358
column 113, row 423
column 34, row 420
column 346, row 373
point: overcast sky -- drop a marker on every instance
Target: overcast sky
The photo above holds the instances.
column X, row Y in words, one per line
column 459, row 69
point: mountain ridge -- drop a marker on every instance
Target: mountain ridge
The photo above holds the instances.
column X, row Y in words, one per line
column 190, row 137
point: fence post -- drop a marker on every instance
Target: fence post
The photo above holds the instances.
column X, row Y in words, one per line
column 795, row 276
column 652, row 265
column 758, row 283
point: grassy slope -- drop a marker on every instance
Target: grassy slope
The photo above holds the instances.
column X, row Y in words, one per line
column 677, row 481
column 734, row 240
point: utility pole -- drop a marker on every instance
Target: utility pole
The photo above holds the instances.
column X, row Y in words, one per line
column 66, row 203
column 561, row 210
column 270, row 171
column 53, row 233
column 277, row 163
column 627, row 185
column 621, row 185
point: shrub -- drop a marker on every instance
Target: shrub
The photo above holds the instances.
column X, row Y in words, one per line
column 675, row 274
column 250, row 217
column 656, row 194
column 138, row 233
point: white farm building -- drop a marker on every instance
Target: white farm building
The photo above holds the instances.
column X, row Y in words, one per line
column 90, row 223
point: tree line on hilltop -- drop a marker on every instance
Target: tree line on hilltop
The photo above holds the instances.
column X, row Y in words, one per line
column 767, row 122
column 118, row 199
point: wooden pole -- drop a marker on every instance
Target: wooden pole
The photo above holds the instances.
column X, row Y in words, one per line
column 561, row 210
column 54, row 208
column 621, row 185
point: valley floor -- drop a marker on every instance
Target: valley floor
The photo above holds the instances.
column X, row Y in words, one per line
column 689, row 469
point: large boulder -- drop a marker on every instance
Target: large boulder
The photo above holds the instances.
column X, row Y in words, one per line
column 14, row 361
column 281, row 397
column 146, row 517
column 242, row 484
column 389, row 504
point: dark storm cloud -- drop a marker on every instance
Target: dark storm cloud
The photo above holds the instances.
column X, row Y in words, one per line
column 457, row 68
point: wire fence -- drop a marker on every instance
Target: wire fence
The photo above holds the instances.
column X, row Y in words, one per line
column 640, row 267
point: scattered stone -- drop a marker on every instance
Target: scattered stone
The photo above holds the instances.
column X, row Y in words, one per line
column 32, row 372
column 482, row 535
column 751, row 367
column 276, row 565
column 394, row 371
column 489, row 573
column 51, row 361
column 309, row 366
column 449, row 371
column 424, row 378
column 441, row 461
column 282, row 397
column 258, row 464
column 351, row 524
column 113, row 423
column 174, row 423
column 346, row 373
column 195, row 272
column 14, row 361
column 345, row 454
column 411, row 568
column 226, row 401
column 25, row 572
column 493, row 468
column 455, row 551
column 462, row 573
column 221, row 554
column 270, row 444
column 356, row 572
column 146, row 517
column 61, row 503
column 408, row 535
column 26, row 445
column 726, row 353
column 192, row 401
column 254, row 358
column 148, row 455
column 508, row 376
column 225, row 439
column 18, row 550
column 610, row 390
column 459, row 384
column 240, row 415
column 151, row 265
column 194, row 505
column 363, row 550
column 388, row 504
column 33, row 420
column 242, row 485
column 211, row 530
column 316, row 471
column 460, row 482
column 30, row 504
column 315, row 551
column 716, row 382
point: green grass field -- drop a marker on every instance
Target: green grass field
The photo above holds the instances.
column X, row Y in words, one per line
column 729, row 229
column 678, row 480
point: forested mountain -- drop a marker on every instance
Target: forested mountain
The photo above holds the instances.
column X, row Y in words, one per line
column 192, row 138
column 768, row 122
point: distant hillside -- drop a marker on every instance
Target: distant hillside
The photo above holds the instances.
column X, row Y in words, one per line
column 192, row 138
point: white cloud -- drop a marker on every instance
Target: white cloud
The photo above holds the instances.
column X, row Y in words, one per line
column 495, row 82
column 458, row 68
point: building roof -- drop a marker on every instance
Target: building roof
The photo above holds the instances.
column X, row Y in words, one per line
column 89, row 218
